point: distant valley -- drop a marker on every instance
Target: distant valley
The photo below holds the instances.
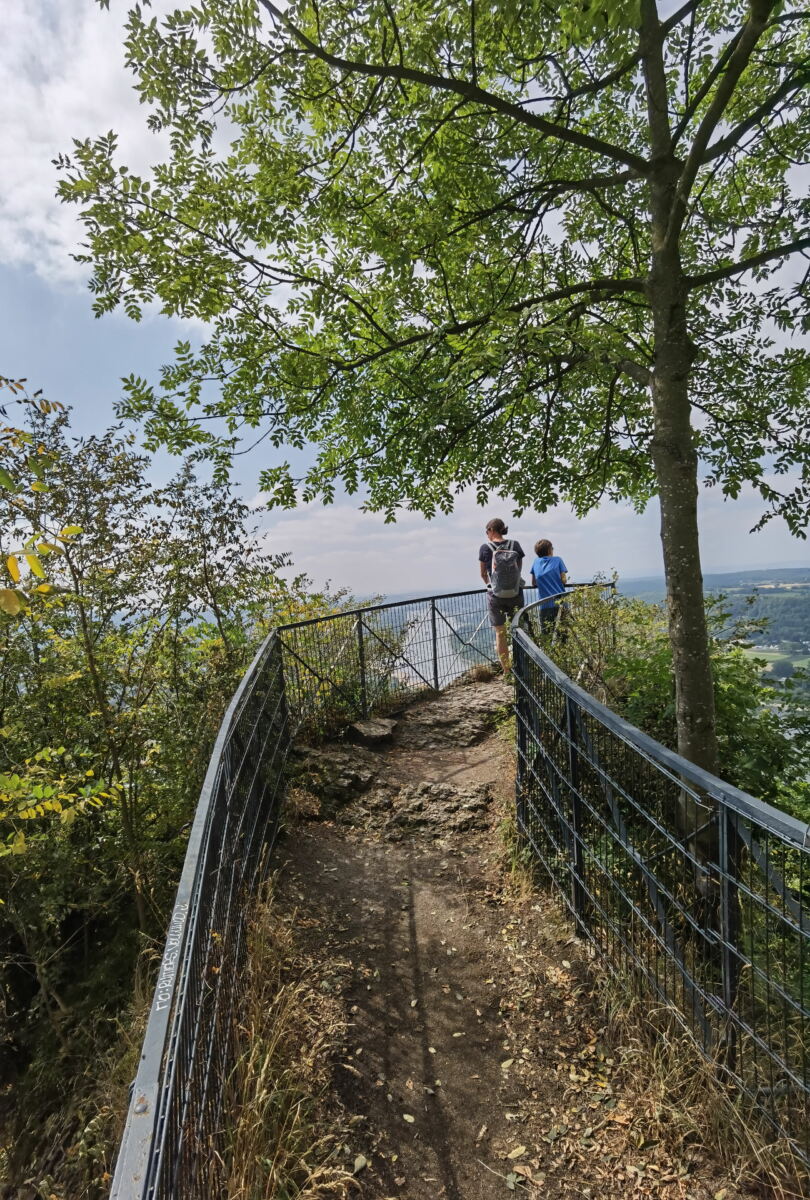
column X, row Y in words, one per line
column 779, row 597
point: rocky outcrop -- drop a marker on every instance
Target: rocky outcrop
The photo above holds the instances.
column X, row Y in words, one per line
column 437, row 809
column 354, row 784
column 461, row 716
column 334, row 773
column 373, row 732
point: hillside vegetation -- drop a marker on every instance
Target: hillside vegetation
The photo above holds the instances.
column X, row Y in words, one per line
column 126, row 638
column 775, row 606
column 621, row 653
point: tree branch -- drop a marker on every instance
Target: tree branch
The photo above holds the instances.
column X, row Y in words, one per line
column 635, row 371
column 703, row 91
column 758, row 13
column 748, row 264
column 793, row 83
column 460, row 87
column 608, row 285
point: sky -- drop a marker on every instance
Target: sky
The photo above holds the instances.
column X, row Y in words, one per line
column 62, row 76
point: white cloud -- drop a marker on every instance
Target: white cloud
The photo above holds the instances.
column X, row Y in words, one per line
column 62, row 75
column 358, row 550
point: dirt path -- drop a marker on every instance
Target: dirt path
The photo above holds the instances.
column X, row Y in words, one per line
column 472, row 1065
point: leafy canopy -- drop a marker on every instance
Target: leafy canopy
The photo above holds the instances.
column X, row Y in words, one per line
column 418, row 234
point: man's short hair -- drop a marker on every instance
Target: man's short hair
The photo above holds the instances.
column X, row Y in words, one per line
column 543, row 548
column 496, row 525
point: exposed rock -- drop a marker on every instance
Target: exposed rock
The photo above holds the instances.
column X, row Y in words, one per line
column 335, row 774
column 350, row 783
column 373, row 731
column 458, row 717
column 379, row 799
column 441, row 808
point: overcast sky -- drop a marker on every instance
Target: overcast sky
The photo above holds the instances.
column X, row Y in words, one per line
column 62, row 76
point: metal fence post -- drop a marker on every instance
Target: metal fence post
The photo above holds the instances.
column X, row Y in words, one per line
column 578, row 893
column 361, row 655
column 522, row 712
column 434, row 643
column 729, row 925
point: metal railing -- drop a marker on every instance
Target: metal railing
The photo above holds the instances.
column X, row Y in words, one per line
column 312, row 676
column 697, row 891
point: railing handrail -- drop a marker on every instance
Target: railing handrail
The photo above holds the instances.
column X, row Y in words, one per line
column 783, row 823
column 370, row 608
column 139, row 1133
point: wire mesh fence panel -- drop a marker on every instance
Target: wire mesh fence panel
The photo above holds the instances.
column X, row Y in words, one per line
column 172, row 1139
column 312, row 677
column 341, row 668
column 696, row 891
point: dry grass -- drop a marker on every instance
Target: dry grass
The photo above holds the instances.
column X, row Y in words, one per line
column 285, row 1137
column 683, row 1102
column 480, row 673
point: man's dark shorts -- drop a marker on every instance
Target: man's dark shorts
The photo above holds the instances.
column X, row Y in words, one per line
column 501, row 610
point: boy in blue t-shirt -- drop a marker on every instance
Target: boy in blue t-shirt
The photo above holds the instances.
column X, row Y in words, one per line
column 549, row 576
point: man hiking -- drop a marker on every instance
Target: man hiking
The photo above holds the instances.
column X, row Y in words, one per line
column 499, row 561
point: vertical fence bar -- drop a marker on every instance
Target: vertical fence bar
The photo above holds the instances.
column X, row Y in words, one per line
column 434, row 643
column 729, row 927
column 521, row 782
column 578, row 895
column 361, row 656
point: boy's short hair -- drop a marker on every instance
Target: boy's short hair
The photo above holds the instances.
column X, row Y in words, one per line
column 543, row 548
column 496, row 525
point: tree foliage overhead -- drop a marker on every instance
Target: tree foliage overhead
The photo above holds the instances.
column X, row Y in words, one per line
column 548, row 252
column 421, row 236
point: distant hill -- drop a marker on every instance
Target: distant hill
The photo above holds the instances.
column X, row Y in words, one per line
column 654, row 589
column 781, row 600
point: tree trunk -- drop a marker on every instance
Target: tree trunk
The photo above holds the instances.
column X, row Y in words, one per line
column 675, row 461
column 673, row 448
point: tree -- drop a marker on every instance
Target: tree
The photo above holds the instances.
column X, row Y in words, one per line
column 539, row 250
column 24, row 468
column 113, row 680
column 781, row 668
